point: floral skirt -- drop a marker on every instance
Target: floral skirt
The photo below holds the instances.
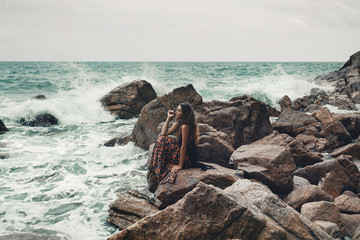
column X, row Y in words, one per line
column 165, row 155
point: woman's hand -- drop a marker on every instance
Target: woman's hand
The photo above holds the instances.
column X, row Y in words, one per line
column 175, row 168
column 171, row 114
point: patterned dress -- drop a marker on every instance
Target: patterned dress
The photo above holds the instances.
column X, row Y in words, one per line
column 165, row 155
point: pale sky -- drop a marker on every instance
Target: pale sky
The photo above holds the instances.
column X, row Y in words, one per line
column 179, row 30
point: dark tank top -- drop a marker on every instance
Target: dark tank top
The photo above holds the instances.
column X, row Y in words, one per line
column 191, row 152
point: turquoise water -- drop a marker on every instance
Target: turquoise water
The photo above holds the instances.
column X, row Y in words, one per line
column 61, row 179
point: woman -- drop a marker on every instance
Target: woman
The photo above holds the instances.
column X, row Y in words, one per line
column 170, row 155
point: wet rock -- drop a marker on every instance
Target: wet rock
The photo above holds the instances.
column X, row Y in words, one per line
column 3, row 128
column 343, row 168
column 129, row 208
column 127, row 100
column 307, row 194
column 40, row 120
column 331, row 228
column 323, row 211
column 204, row 213
column 313, row 144
column 348, row 204
column 28, row 236
column 273, row 112
column 301, row 155
column 352, row 149
column 285, row 103
column 277, row 213
column 294, row 122
column 272, row 165
column 123, row 140
column 187, row 179
column 214, row 146
column 300, row 182
column 39, row 97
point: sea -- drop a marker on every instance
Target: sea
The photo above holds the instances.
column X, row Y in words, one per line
column 60, row 180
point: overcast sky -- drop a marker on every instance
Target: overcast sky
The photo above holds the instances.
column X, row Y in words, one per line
column 179, row 30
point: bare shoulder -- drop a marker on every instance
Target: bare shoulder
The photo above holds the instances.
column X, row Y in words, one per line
column 185, row 127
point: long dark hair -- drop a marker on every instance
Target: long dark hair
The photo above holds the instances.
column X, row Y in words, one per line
column 188, row 117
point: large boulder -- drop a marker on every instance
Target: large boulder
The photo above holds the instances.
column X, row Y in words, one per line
column 129, row 208
column 301, row 155
column 331, row 228
column 3, row 128
column 127, row 100
column 313, row 144
column 351, row 223
column 307, row 194
column 352, row 149
column 273, row 165
column 335, row 133
column 351, row 122
column 342, row 168
column 348, row 204
column 187, row 179
column 40, row 120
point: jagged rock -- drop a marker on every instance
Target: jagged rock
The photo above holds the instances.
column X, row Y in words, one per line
column 312, row 143
column 204, row 213
column 317, row 91
column 300, row 182
column 260, row 199
column 123, row 140
column 214, row 146
column 285, row 103
column 273, row 112
column 323, row 211
column 344, row 169
column 40, row 120
column 351, row 122
column 28, row 236
column 336, row 134
column 331, row 184
column 356, row 235
column 324, row 115
column 129, row 208
column 294, row 122
column 355, row 97
column 273, row 165
column 307, row 194
column 351, row 223
column 187, row 179
column 3, row 128
column 331, row 228
column 348, row 204
column 301, row 155
column 352, row 149
column 127, row 100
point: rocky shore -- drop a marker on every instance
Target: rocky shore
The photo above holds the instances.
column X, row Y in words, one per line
column 295, row 178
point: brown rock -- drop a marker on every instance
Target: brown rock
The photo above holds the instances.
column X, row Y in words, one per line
column 336, row 134
column 347, row 204
column 127, row 100
column 187, row 179
column 331, row 228
column 323, row 211
column 351, row 122
column 331, row 184
column 312, row 143
column 352, row 149
column 324, row 115
column 204, row 213
column 307, row 194
column 356, row 97
column 123, row 140
column 300, row 154
column 285, row 103
column 270, row 164
column 273, row 112
column 352, row 224
column 129, row 208
column 294, row 122
column 300, row 182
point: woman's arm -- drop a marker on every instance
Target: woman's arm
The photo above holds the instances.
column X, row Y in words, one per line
column 184, row 144
column 165, row 131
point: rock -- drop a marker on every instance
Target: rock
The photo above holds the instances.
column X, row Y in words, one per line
column 3, row 128
column 331, row 184
column 351, row 223
column 145, row 130
column 204, row 213
column 127, row 100
column 356, row 234
column 348, row 204
column 294, row 122
column 39, row 97
column 312, row 143
column 187, row 179
column 300, row 182
column 354, row 61
column 323, row 211
column 313, row 107
column 261, row 200
column 307, row 194
column 336, row 134
column 301, row 155
column 355, row 97
column 342, row 101
column 324, row 115
column 40, row 120
column 270, row 164
column 123, row 140
column 285, row 103
column 214, row 146
column 273, row 112
column 28, row 236
column 129, row 208
column 352, row 149
column 331, row 228
column 303, row 103
column 317, row 91
column 150, row 175
column 344, row 169
column 350, row 193
column 351, row 122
